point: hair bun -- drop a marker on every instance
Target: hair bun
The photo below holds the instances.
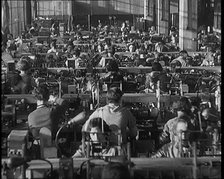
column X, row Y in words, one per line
column 23, row 64
column 41, row 93
column 114, row 94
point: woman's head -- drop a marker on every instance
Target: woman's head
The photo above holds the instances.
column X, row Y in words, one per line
column 183, row 105
column 112, row 65
column 156, row 66
column 23, row 64
column 41, row 93
column 114, row 95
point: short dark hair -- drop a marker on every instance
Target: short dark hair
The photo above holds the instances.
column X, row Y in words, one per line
column 183, row 104
column 115, row 170
column 114, row 95
column 112, row 65
column 41, row 93
column 183, row 51
column 23, row 64
column 156, row 66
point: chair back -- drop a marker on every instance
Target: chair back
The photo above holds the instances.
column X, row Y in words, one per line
column 46, row 143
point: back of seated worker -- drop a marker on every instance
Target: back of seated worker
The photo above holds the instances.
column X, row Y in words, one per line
column 23, row 66
column 113, row 74
column 16, row 83
column 153, row 77
column 40, row 117
column 118, row 118
column 181, row 59
column 180, row 142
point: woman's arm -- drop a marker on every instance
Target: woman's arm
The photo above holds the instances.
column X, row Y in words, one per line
column 95, row 114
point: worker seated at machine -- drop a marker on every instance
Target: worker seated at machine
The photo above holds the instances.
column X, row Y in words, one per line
column 23, row 66
column 156, row 75
column 45, row 115
column 119, row 119
column 210, row 136
column 210, row 119
column 181, row 108
column 180, row 145
column 113, row 73
column 99, row 140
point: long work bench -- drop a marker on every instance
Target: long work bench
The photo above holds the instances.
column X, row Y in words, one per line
column 127, row 97
column 208, row 167
column 216, row 69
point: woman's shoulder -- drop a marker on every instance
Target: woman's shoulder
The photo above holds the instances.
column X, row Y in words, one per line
column 26, row 76
column 171, row 121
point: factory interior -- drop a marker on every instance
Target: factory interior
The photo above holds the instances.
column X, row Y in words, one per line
column 111, row 89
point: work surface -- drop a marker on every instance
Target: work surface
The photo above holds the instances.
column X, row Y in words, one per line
column 137, row 162
column 143, row 168
column 128, row 97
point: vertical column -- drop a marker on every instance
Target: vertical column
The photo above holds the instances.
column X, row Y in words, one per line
column 69, row 7
column 69, row 15
column 188, row 14
column 163, row 13
column 28, row 12
column 146, row 9
column 158, row 6
column 35, row 9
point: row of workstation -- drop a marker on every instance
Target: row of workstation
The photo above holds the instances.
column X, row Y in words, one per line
column 202, row 167
column 166, row 101
column 127, row 97
column 216, row 69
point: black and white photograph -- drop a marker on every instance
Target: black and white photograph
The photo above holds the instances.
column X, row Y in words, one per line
column 111, row 89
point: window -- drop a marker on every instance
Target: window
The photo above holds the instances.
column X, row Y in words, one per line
column 16, row 17
column 212, row 3
column 151, row 7
column 191, row 14
column 218, row 21
column 101, row 3
column 165, row 10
